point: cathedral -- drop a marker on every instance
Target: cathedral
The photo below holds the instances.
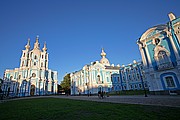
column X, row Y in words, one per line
column 160, row 50
column 33, row 76
column 94, row 77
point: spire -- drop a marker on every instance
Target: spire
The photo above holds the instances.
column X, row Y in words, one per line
column 28, row 44
column 36, row 44
column 44, row 48
column 103, row 54
column 171, row 16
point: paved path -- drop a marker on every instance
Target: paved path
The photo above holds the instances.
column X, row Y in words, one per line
column 172, row 101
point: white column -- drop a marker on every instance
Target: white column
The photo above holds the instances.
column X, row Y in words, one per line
column 174, row 48
column 143, row 56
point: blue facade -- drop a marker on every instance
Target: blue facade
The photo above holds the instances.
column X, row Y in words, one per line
column 160, row 51
column 130, row 77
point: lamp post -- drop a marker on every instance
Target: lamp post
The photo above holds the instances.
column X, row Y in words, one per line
column 39, row 85
column 1, row 92
column 145, row 94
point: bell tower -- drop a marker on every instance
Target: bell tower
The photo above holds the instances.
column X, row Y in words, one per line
column 25, row 56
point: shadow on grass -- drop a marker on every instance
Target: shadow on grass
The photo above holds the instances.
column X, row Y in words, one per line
column 55, row 109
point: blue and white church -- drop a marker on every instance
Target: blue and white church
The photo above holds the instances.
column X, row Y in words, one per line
column 94, row 77
column 160, row 50
column 33, row 76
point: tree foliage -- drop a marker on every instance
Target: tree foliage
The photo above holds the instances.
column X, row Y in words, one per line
column 66, row 83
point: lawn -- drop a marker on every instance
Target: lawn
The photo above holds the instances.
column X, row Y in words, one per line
column 65, row 109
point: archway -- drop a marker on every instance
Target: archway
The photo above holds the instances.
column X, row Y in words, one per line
column 100, row 88
column 32, row 90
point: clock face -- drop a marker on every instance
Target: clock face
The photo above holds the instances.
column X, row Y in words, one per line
column 33, row 75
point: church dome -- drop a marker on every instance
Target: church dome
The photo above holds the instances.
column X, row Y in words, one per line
column 104, row 60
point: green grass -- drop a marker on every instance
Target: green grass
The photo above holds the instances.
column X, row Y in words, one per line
column 64, row 109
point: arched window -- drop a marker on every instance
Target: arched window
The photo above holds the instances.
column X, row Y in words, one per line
column 24, row 55
column 35, row 57
column 23, row 63
column 19, row 77
column 162, row 57
column 42, row 64
column 170, row 81
column 27, row 62
column 98, row 77
column 34, row 63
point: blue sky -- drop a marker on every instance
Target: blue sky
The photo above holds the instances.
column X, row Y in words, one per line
column 76, row 30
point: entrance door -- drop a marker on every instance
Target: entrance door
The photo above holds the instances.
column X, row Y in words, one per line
column 100, row 89
column 32, row 90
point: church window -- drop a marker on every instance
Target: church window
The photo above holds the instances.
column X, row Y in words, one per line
column 123, row 78
column 133, row 76
column 118, row 79
column 162, row 57
column 23, row 63
column 170, row 81
column 33, row 75
column 157, row 41
column 27, row 62
column 135, row 86
column 138, row 76
column 24, row 55
column 41, row 64
column 52, row 88
column 34, row 63
column 19, row 77
column 141, row 67
column 42, row 56
column 98, row 77
column 136, row 68
column 129, row 77
column 107, row 79
column 140, row 85
column 35, row 57
column 131, row 86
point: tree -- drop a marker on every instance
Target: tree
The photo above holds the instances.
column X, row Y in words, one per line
column 66, row 83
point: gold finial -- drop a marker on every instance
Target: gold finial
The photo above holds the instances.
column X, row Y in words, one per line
column 28, row 44
column 37, row 38
column 44, row 48
column 103, row 54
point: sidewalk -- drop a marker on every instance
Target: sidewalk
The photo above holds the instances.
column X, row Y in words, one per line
column 171, row 101
column 157, row 100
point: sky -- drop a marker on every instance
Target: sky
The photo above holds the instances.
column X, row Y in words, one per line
column 76, row 30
